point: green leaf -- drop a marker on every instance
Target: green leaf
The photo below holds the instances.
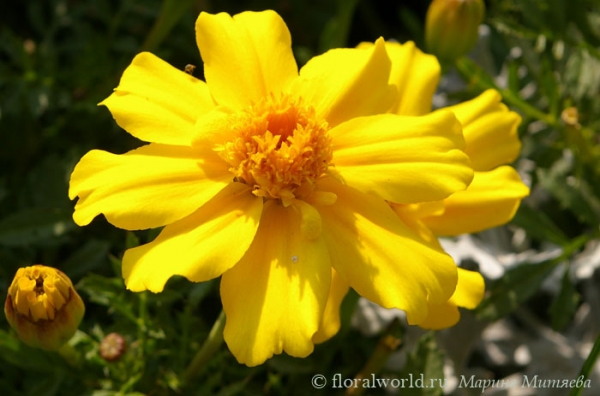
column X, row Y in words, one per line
column 581, row 75
column 539, row 226
column 347, row 309
column 34, row 225
column 170, row 13
column 425, row 365
column 86, row 259
column 573, row 194
column 335, row 33
column 20, row 355
column 587, row 367
column 565, row 304
column 109, row 292
column 514, row 288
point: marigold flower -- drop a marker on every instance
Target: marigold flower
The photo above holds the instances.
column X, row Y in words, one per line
column 276, row 180
column 43, row 307
column 492, row 198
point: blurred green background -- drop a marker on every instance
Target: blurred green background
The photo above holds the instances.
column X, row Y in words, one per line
column 59, row 59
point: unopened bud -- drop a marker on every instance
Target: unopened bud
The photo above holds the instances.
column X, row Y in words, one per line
column 43, row 307
column 112, row 347
column 451, row 27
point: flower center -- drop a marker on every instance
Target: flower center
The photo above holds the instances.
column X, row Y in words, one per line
column 281, row 148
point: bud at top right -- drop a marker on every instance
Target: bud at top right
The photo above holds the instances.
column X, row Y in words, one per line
column 451, row 27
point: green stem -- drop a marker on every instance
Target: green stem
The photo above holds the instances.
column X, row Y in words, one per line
column 387, row 344
column 211, row 345
column 474, row 75
column 70, row 354
column 588, row 365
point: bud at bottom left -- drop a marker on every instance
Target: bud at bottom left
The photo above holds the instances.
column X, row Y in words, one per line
column 43, row 307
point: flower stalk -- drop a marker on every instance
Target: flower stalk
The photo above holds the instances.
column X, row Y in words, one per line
column 388, row 344
column 473, row 74
column 205, row 353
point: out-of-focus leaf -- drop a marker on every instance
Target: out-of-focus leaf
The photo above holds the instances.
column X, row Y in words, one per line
column 549, row 85
column 347, row 309
column 587, row 367
column 34, row 225
column 582, row 75
column 48, row 385
column 414, row 24
column 573, row 194
column 425, row 364
column 335, row 33
column 170, row 13
column 85, row 259
column 200, row 290
column 565, row 304
column 109, row 292
column 539, row 226
column 18, row 354
column 514, row 288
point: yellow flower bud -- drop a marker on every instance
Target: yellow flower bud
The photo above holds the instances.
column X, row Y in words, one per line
column 43, row 307
column 451, row 27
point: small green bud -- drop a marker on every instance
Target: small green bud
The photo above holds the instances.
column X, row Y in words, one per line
column 43, row 307
column 451, row 27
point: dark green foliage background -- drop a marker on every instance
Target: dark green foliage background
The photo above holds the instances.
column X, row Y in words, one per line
column 59, row 59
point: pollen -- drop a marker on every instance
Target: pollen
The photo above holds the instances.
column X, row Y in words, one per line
column 280, row 148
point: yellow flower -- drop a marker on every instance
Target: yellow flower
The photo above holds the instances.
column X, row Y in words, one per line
column 276, row 180
column 492, row 198
column 43, row 307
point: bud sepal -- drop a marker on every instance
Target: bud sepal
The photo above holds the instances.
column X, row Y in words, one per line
column 452, row 27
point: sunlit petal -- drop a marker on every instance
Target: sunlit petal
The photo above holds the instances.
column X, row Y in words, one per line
column 201, row 246
column 275, row 296
column 147, row 187
column 246, row 57
column 330, row 323
column 398, row 269
column 158, row 103
column 490, row 130
column 469, row 293
column 415, row 76
column 491, row 200
column 402, row 159
column 346, row 83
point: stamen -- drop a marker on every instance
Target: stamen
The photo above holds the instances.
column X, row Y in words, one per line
column 281, row 148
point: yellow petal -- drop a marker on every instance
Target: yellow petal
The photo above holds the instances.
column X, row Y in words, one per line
column 246, row 57
column 415, row 76
column 201, row 246
column 156, row 102
column 490, row 130
column 441, row 316
column 380, row 257
column 469, row 293
column 330, row 323
column 409, row 216
column 275, row 296
column 346, row 83
column 469, row 289
column 491, row 200
column 402, row 159
column 147, row 187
